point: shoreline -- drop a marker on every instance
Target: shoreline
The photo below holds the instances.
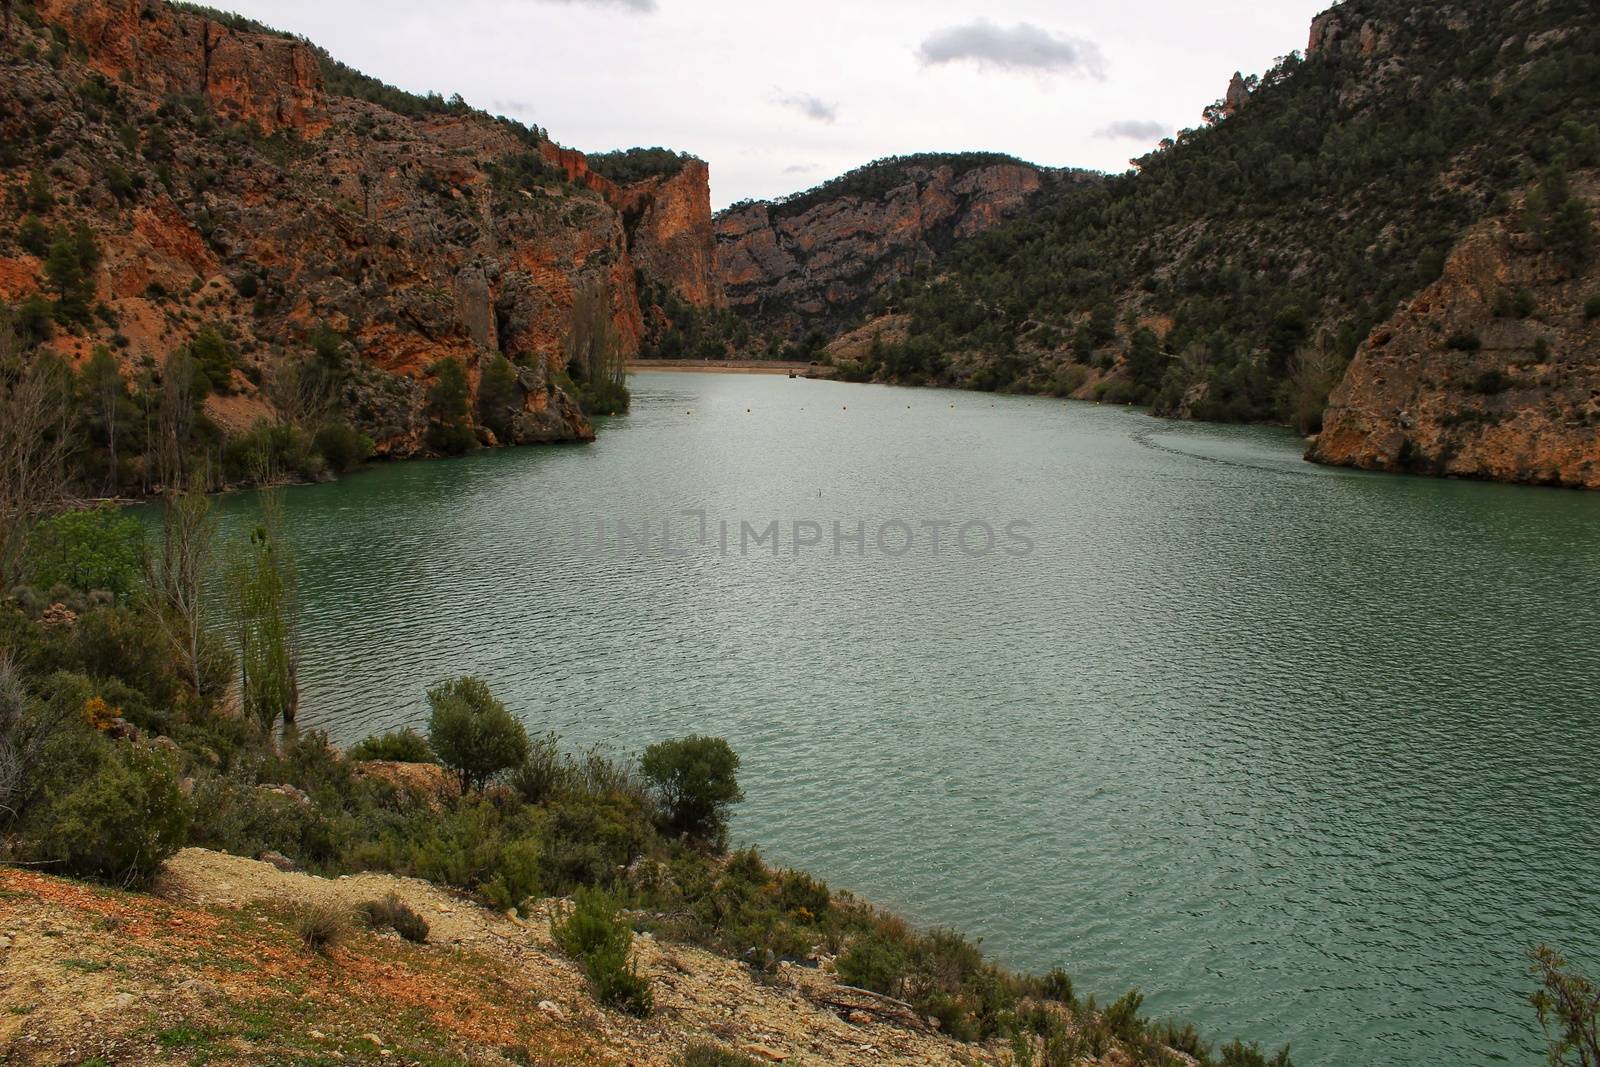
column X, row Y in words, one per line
column 732, row 366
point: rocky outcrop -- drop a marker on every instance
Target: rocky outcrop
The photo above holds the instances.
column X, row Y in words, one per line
column 273, row 82
column 814, row 260
column 1237, row 96
column 226, row 186
column 671, row 234
column 1491, row 372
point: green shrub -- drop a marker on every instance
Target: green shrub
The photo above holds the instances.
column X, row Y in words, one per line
column 343, row 447
column 119, row 823
column 695, row 779
column 397, row 746
column 1491, row 382
column 33, row 235
column 1465, row 342
column 876, row 960
column 1591, row 308
column 707, row 1055
column 593, row 931
column 473, row 733
column 1238, row 1054
column 392, row 913
column 591, row 837
column 86, row 550
column 1517, row 304
column 320, row 926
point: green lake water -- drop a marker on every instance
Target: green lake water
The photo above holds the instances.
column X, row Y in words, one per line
column 1303, row 754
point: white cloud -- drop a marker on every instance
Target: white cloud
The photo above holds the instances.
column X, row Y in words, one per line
column 1021, row 47
column 1134, row 130
column 800, row 168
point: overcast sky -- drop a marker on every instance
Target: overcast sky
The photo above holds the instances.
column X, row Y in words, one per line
column 780, row 96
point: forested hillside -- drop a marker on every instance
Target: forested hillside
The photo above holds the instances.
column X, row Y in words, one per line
column 1231, row 273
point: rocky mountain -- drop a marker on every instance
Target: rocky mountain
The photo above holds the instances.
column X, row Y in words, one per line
column 1493, row 371
column 1235, row 271
column 813, row 260
column 183, row 180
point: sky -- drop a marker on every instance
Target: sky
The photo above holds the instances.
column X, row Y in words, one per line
column 778, row 97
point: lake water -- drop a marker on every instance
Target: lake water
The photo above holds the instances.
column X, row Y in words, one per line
column 1303, row 754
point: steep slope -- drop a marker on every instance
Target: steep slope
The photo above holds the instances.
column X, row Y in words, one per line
column 813, row 260
column 211, row 969
column 1312, row 202
column 228, row 184
column 1491, row 372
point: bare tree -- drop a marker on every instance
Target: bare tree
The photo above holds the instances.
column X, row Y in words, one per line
column 176, row 418
column 301, row 391
column 1314, row 372
column 33, row 445
column 178, row 573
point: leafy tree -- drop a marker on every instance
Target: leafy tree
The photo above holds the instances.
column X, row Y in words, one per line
column 214, row 359
column 472, row 733
column 499, row 397
column 69, row 273
column 449, row 410
column 33, row 235
column 696, row 781
column 86, row 550
column 37, row 196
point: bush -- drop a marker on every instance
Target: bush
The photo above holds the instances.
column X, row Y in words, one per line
column 343, row 447
column 1491, row 382
column 398, row 746
column 875, row 960
column 706, row 1055
column 33, row 235
column 119, row 823
column 695, row 779
column 392, row 913
column 1238, row 1054
column 1465, row 342
column 320, row 926
column 1591, row 308
column 1514, row 305
column 592, row 930
column 86, row 550
column 473, row 733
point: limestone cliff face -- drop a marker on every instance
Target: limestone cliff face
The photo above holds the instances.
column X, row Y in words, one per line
column 273, row 82
column 1491, row 372
column 261, row 203
column 672, row 236
column 814, row 260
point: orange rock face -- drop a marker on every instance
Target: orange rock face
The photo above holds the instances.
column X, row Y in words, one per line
column 252, row 200
column 273, row 82
column 673, row 238
column 1462, row 383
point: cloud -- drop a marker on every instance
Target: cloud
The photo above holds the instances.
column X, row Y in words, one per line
column 638, row 7
column 1134, row 130
column 812, row 107
column 800, row 168
column 1023, row 47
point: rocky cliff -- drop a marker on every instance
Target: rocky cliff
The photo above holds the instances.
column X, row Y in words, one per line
column 231, row 178
column 1234, row 270
column 814, row 260
column 1491, row 372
